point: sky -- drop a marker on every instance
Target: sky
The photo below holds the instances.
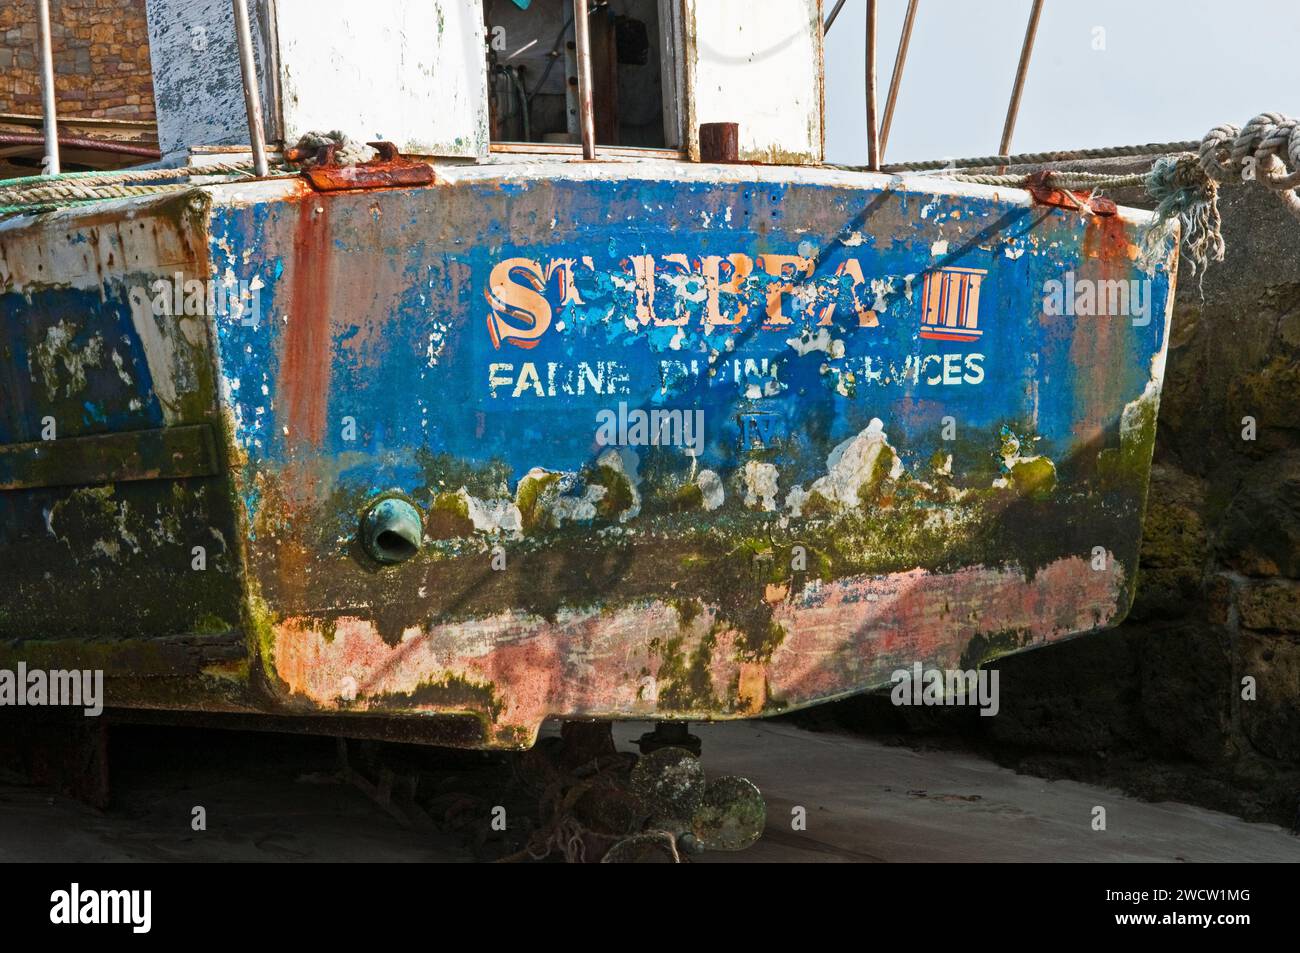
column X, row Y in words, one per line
column 1104, row 72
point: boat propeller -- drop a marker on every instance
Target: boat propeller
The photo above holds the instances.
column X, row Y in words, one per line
column 685, row 813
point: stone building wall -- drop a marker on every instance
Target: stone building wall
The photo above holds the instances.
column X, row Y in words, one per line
column 101, row 58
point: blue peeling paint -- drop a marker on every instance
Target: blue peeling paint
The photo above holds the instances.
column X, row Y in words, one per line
column 1024, row 369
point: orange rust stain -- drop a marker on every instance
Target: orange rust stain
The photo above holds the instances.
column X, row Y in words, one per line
column 305, row 357
column 752, row 687
column 1105, row 237
column 775, row 595
column 1096, row 351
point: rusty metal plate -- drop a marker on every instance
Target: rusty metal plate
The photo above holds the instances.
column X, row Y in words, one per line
column 387, row 170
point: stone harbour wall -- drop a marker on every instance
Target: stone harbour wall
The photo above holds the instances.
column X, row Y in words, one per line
column 1156, row 706
column 101, row 59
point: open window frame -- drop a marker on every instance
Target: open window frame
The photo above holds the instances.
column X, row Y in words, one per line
column 508, row 83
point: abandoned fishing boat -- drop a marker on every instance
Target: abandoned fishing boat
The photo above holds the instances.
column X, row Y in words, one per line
column 504, row 422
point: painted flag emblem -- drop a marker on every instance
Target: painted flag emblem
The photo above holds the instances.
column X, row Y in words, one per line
column 950, row 304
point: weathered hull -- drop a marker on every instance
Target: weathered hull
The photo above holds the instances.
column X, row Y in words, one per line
column 904, row 455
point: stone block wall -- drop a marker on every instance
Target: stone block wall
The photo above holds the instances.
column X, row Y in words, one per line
column 101, row 59
column 1156, row 705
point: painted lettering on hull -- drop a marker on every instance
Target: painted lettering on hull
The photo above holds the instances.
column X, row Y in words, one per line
column 725, row 292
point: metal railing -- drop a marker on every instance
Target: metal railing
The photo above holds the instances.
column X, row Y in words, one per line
column 51, row 164
column 877, row 140
column 586, row 103
column 252, row 94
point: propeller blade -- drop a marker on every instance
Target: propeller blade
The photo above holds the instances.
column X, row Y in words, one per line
column 731, row 816
column 669, row 783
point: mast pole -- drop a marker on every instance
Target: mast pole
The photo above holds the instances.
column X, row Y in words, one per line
column 1018, row 88
column 586, row 105
column 873, row 132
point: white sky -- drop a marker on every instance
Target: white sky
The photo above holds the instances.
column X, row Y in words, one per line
column 1170, row 70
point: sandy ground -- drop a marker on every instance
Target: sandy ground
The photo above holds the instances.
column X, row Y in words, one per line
column 277, row 798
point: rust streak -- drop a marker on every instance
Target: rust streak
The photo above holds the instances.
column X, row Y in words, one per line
column 1097, row 349
column 305, row 358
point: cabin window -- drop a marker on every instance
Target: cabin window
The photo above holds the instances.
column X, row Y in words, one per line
column 532, row 72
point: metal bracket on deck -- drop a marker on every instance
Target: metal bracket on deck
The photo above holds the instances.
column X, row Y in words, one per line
column 1038, row 186
column 386, row 170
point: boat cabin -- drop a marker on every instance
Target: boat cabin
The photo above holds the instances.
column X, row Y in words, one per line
column 465, row 78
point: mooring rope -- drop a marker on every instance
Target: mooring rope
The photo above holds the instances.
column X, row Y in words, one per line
column 1266, row 150
column 1055, row 179
column 74, row 192
column 347, row 151
column 124, row 176
column 44, row 193
column 1183, row 184
column 1037, row 158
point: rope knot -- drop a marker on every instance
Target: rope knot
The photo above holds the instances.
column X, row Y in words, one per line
column 1185, row 192
column 1266, row 150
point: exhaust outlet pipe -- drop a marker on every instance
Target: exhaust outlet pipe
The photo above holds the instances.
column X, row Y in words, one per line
column 392, row 531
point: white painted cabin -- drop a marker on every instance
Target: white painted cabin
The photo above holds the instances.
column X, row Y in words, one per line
column 463, row 78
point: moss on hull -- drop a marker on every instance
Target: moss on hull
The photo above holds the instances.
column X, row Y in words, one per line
column 133, row 560
column 739, row 565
